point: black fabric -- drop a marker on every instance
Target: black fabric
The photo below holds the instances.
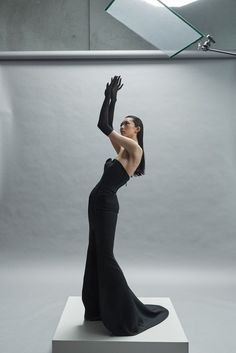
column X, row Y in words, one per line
column 105, row 293
column 105, row 121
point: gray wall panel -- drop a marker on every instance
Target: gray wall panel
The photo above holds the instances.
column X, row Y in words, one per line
column 44, row 25
column 107, row 33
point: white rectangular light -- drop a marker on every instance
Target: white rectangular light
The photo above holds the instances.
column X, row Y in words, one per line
column 158, row 25
column 170, row 3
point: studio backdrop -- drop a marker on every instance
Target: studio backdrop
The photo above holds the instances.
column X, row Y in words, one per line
column 180, row 213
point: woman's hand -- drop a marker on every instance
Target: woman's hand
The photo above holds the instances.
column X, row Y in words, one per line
column 113, row 87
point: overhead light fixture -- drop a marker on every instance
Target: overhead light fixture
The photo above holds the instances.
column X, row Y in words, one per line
column 170, row 3
column 159, row 25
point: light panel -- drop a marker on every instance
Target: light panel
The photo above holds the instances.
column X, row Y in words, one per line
column 170, row 3
column 158, row 25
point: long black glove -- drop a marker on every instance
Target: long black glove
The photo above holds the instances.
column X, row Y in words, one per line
column 105, row 122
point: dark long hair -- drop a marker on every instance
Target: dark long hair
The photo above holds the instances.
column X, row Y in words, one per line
column 141, row 167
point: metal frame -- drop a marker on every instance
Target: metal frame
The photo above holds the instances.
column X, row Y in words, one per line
column 107, row 55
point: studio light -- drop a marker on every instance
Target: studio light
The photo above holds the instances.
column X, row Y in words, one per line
column 170, row 3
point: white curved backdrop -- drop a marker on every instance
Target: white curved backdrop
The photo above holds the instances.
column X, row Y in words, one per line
column 182, row 212
column 175, row 234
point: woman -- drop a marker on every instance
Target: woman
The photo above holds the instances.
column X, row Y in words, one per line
column 105, row 293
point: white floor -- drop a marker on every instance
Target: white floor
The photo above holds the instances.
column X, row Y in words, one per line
column 32, row 298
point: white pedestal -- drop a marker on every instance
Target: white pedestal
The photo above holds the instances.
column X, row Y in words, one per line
column 74, row 335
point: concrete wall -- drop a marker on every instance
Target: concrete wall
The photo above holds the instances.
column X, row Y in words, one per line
column 84, row 25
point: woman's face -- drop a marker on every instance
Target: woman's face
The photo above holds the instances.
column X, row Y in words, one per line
column 128, row 128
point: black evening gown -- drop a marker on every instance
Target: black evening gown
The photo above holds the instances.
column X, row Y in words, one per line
column 105, row 293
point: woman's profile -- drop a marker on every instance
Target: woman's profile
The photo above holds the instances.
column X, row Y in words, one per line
column 105, row 293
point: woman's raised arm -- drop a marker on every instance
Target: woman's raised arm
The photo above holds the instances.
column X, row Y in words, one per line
column 129, row 144
column 105, row 123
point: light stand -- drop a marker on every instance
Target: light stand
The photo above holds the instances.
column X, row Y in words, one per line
column 206, row 46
